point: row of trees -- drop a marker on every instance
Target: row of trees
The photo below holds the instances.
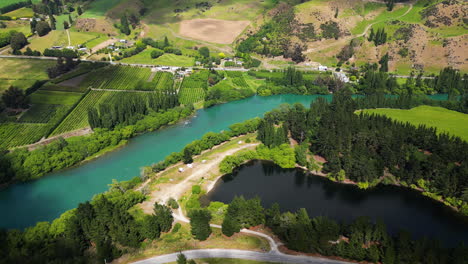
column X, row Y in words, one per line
column 127, row 110
column 361, row 240
column 450, row 81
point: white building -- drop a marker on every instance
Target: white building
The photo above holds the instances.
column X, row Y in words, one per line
column 322, row 68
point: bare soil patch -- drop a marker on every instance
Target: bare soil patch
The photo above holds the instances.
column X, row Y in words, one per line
column 95, row 25
column 74, row 82
column 212, row 30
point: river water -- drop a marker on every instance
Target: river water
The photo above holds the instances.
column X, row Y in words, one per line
column 292, row 189
column 45, row 199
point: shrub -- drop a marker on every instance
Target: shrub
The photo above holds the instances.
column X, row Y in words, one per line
column 196, row 189
column 173, row 203
column 156, row 53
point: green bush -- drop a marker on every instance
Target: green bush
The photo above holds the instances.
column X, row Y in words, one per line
column 156, row 53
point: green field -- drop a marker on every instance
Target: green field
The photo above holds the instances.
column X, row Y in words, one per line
column 452, row 122
column 22, row 73
column 99, row 8
column 174, row 60
column 22, row 12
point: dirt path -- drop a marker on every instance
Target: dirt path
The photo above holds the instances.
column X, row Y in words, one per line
column 103, row 45
column 69, row 39
column 345, row 40
column 198, row 171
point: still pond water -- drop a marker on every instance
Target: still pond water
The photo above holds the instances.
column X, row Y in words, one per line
column 292, row 189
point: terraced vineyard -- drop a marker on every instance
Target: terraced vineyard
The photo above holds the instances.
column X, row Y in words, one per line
column 16, row 134
column 193, row 88
column 191, row 95
column 196, row 80
column 41, row 113
column 55, row 97
column 116, row 77
column 237, row 79
column 78, row 118
column 163, row 80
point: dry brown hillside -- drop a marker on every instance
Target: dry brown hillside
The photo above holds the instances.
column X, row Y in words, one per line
column 424, row 35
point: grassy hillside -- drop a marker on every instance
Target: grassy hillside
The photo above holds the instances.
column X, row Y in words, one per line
column 444, row 120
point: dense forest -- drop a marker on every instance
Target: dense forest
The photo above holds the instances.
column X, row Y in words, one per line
column 368, row 148
column 361, row 240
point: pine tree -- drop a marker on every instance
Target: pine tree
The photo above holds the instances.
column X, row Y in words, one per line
column 384, row 63
column 166, row 42
column 33, row 25
column 200, row 223
column 230, row 226
column 181, row 259
column 371, row 35
column 70, row 19
column 124, row 27
column 80, row 11
column 52, row 22
column 164, row 217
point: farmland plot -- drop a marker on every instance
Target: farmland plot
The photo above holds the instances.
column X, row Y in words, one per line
column 78, row 118
column 17, row 134
column 116, row 78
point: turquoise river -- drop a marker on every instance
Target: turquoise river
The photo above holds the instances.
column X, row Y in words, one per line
column 47, row 198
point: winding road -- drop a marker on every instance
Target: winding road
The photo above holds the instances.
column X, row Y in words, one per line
column 177, row 190
column 274, row 255
column 239, row 254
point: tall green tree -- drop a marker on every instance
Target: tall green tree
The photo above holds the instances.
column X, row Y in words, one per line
column 200, row 223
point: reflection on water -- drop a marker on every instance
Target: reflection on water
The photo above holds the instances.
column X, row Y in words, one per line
column 293, row 189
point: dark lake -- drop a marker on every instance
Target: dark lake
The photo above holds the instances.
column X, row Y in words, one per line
column 399, row 208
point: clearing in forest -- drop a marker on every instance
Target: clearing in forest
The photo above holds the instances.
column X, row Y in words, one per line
column 213, row 30
column 451, row 122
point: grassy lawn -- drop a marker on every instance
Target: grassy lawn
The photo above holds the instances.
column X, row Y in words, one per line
column 60, row 38
column 166, row 59
column 444, row 120
column 22, row 72
column 99, row 8
column 54, row 38
column 22, row 12
column 175, row 60
column 18, row 25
